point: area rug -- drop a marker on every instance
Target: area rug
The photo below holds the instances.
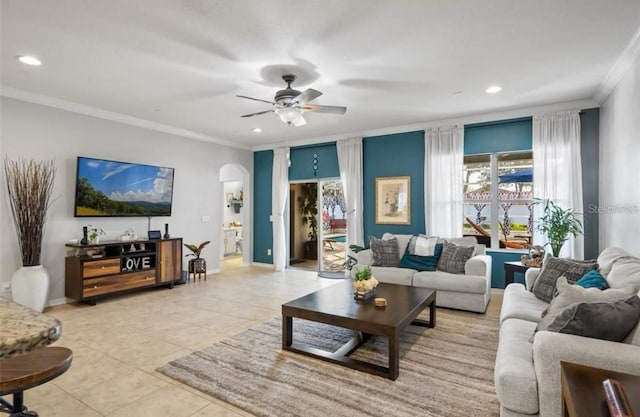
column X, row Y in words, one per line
column 446, row 371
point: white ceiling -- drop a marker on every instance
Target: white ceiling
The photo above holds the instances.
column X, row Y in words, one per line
column 180, row 63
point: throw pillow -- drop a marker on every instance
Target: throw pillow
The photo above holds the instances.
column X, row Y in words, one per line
column 385, row 252
column 454, row 257
column 422, row 245
column 544, row 286
column 600, row 320
column 571, row 294
column 593, row 279
column 421, row 263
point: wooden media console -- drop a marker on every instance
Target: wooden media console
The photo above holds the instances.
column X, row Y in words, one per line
column 111, row 267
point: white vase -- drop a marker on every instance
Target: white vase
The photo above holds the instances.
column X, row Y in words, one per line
column 30, row 287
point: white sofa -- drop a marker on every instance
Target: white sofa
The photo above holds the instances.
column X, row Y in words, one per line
column 527, row 375
column 469, row 291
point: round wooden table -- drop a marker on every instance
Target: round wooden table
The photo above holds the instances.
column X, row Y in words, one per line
column 25, row 361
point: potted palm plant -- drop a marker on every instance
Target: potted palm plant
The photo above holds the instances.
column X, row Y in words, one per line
column 30, row 186
column 308, row 203
column 557, row 224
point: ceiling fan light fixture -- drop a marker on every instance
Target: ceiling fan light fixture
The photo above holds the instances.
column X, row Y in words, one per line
column 289, row 115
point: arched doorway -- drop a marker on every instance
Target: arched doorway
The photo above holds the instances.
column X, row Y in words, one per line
column 235, row 214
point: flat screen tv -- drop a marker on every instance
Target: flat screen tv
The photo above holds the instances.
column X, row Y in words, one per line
column 117, row 189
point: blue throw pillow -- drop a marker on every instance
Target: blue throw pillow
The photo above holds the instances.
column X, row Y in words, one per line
column 593, row 279
column 421, row 263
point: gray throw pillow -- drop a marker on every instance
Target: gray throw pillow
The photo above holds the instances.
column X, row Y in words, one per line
column 454, row 257
column 553, row 268
column 385, row 252
column 570, row 294
column 600, row 320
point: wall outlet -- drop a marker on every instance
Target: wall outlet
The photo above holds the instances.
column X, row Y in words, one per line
column 269, row 252
column 205, row 219
column 271, row 218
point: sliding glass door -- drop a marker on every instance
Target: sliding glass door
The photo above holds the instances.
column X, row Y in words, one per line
column 317, row 227
column 333, row 229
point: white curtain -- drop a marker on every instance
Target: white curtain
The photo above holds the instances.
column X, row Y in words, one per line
column 350, row 163
column 557, row 169
column 443, row 188
column 279, row 192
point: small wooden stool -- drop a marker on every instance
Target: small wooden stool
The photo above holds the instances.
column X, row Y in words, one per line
column 28, row 370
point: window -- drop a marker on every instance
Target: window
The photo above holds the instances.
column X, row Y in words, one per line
column 498, row 197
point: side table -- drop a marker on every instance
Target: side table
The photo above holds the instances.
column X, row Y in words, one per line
column 510, row 268
column 583, row 393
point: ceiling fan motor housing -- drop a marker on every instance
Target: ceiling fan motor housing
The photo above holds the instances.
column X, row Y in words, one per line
column 284, row 97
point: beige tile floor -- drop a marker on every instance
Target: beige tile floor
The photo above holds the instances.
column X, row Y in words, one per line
column 118, row 343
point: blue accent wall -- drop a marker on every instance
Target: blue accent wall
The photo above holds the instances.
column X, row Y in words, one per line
column 500, row 136
column 262, row 229
column 395, row 155
column 302, row 162
column 498, row 258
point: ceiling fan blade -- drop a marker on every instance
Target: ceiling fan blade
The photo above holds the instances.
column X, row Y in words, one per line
column 325, row 109
column 255, row 114
column 299, row 122
column 256, row 99
column 306, row 96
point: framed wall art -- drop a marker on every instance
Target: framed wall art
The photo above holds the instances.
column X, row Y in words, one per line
column 393, row 205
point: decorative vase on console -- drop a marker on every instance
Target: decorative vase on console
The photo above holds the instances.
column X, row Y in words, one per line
column 30, row 185
column 85, row 236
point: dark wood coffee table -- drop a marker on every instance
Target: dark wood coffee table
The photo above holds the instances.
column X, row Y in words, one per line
column 335, row 305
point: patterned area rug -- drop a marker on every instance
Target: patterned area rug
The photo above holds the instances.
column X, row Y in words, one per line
column 446, row 371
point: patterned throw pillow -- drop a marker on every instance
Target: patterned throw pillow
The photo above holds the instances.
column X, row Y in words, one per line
column 454, row 257
column 385, row 252
column 553, row 268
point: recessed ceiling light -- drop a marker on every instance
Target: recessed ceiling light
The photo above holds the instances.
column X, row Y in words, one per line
column 29, row 60
column 257, row 130
column 494, row 89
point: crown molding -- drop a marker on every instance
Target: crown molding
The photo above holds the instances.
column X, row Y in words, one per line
column 70, row 106
column 619, row 69
column 457, row 121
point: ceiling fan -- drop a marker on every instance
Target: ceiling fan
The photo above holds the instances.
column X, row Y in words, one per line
column 290, row 104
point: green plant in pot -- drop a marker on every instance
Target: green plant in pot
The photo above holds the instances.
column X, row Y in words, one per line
column 30, row 187
column 557, row 224
column 364, row 282
column 94, row 234
column 308, row 204
column 197, row 264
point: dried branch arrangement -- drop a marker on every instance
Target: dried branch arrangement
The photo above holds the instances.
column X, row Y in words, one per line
column 30, row 185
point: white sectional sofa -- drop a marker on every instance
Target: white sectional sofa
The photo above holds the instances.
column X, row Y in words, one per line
column 527, row 375
column 469, row 291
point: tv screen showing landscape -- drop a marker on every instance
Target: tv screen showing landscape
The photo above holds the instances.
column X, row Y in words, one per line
column 114, row 189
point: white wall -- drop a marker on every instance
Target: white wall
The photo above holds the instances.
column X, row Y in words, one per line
column 619, row 169
column 40, row 132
